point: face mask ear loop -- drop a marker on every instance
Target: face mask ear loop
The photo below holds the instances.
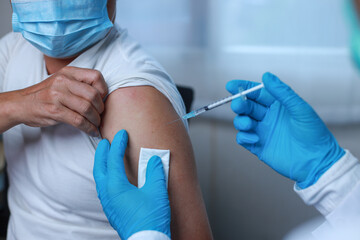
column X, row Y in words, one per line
column 113, row 18
column 15, row 23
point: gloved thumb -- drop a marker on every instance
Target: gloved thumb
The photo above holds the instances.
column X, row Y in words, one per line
column 283, row 93
column 155, row 176
column 100, row 167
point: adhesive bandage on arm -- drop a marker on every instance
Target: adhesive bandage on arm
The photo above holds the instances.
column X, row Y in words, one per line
column 145, row 155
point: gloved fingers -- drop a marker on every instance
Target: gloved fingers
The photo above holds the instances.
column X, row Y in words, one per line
column 116, row 167
column 244, row 138
column 261, row 96
column 250, row 108
column 244, row 123
column 100, row 167
column 101, row 157
column 283, row 93
column 155, row 176
column 234, row 86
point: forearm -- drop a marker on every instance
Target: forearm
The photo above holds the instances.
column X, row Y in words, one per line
column 10, row 110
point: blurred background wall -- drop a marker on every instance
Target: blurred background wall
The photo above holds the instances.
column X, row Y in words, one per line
column 204, row 44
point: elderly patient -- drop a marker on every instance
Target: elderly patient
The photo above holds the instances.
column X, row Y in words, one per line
column 54, row 74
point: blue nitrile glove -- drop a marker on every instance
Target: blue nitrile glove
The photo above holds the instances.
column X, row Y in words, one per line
column 128, row 208
column 284, row 131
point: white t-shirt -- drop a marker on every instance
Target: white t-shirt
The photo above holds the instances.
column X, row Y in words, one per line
column 52, row 192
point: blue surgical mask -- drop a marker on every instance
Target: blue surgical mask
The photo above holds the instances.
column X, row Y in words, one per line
column 61, row 28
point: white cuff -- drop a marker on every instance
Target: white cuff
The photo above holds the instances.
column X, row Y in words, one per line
column 149, row 235
column 333, row 186
column 345, row 219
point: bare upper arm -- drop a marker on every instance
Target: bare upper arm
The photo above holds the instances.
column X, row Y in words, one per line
column 145, row 114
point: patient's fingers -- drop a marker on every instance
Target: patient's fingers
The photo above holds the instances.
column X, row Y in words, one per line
column 249, row 107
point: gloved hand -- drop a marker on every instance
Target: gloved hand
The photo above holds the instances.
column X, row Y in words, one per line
column 284, row 131
column 128, row 208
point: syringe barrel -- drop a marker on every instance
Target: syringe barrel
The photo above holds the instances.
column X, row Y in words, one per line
column 219, row 103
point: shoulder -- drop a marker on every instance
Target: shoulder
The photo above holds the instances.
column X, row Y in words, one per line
column 12, row 44
column 121, row 55
column 10, row 37
column 125, row 64
column 10, row 40
column 121, row 44
column 8, row 45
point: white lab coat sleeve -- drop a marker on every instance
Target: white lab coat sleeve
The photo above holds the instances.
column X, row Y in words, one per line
column 334, row 187
column 149, row 235
column 336, row 195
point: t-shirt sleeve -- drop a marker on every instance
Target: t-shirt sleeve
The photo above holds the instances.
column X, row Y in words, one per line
column 132, row 66
column 123, row 63
column 153, row 76
column 5, row 49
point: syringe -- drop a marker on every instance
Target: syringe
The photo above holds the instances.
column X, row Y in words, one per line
column 221, row 102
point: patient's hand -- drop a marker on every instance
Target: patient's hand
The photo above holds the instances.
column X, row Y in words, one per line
column 145, row 113
column 72, row 96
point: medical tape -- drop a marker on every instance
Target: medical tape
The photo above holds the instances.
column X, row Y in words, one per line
column 145, row 155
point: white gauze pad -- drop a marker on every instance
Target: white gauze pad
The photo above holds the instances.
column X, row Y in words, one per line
column 145, row 155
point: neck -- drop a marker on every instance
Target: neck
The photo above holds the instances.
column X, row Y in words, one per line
column 53, row 65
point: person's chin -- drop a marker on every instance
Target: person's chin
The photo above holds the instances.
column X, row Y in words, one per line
column 64, row 58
